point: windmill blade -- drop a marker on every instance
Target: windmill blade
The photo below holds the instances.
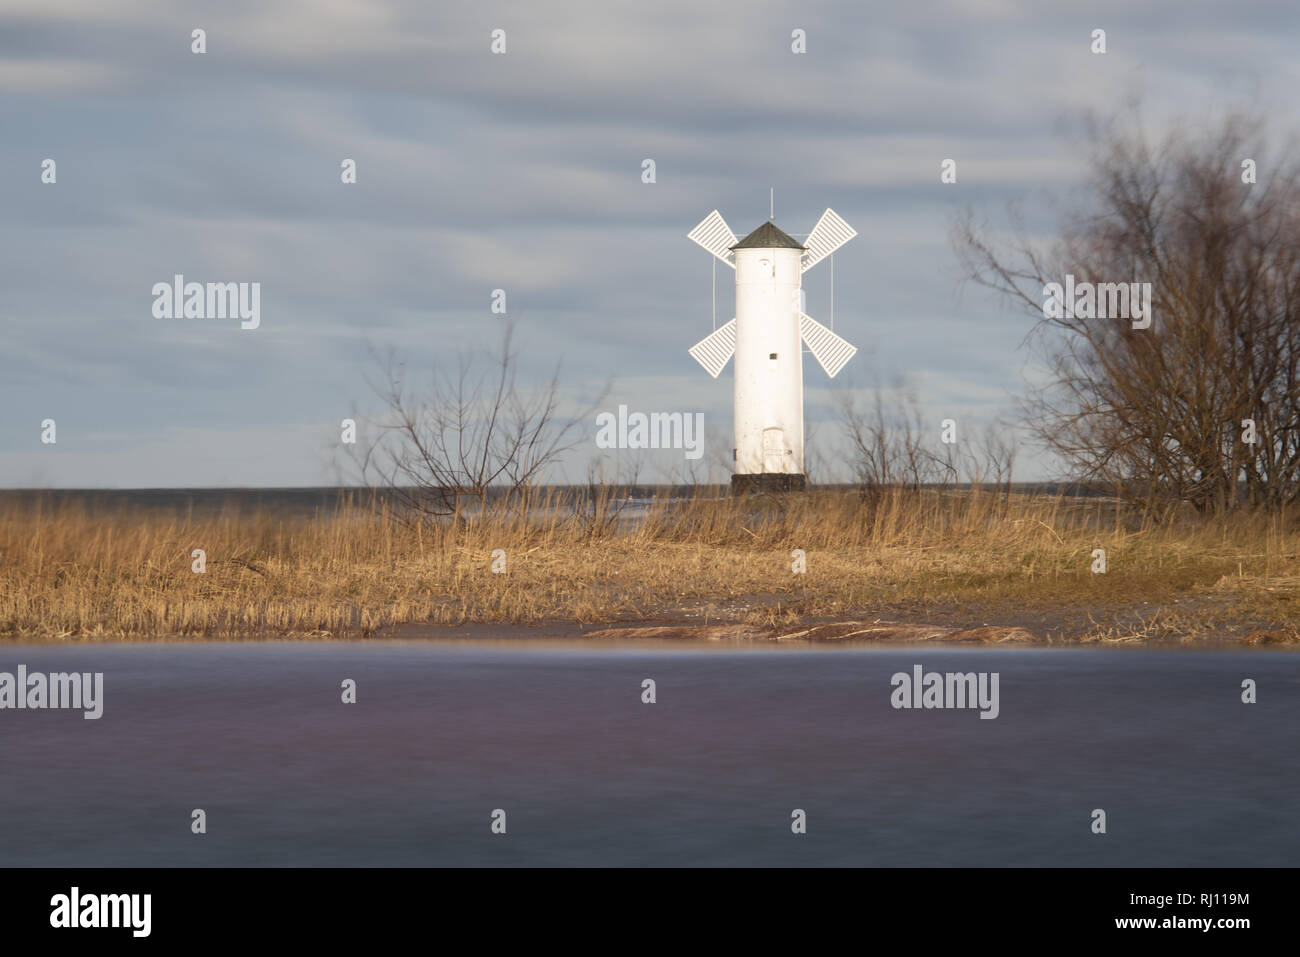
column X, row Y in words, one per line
column 716, row 236
column 828, row 348
column 828, row 235
column 713, row 351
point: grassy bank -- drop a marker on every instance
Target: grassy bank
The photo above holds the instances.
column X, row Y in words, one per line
column 72, row 572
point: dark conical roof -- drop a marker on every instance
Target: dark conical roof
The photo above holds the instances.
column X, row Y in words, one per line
column 768, row 236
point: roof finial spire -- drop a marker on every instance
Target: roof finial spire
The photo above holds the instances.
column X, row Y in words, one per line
column 771, row 207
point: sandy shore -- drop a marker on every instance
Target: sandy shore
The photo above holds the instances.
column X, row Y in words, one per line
column 850, row 631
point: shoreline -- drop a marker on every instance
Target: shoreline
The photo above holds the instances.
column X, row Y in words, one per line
column 846, row 632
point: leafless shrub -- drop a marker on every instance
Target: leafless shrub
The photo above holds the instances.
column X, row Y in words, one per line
column 469, row 435
column 886, row 440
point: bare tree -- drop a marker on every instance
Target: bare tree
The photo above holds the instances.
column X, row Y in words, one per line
column 1160, row 413
column 470, row 434
column 992, row 458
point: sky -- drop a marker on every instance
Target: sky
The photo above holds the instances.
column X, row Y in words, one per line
column 523, row 171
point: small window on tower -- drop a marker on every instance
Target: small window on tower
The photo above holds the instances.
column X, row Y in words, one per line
column 771, row 355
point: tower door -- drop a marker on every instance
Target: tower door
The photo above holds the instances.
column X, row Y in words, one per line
column 774, row 450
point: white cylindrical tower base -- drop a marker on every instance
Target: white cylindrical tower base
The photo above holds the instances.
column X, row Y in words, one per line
column 769, row 368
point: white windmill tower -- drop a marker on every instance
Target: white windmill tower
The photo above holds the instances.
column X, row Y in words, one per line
column 765, row 338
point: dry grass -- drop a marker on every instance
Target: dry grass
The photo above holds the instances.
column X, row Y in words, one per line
column 72, row 572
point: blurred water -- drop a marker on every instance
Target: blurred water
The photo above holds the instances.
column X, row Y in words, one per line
column 555, row 734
